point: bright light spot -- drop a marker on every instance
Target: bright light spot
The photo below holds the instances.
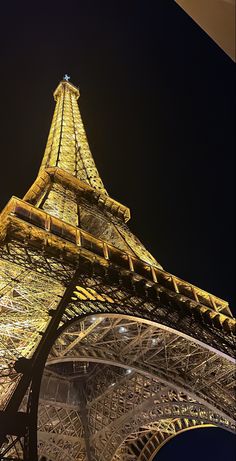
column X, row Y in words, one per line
column 122, row 330
column 154, row 341
column 95, row 319
column 128, row 371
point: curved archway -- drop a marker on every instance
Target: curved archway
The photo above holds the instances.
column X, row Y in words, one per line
column 153, row 349
column 146, row 447
column 135, row 356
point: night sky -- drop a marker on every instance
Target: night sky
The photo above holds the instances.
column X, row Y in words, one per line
column 157, row 100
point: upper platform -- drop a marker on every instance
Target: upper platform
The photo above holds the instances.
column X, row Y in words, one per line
column 62, row 86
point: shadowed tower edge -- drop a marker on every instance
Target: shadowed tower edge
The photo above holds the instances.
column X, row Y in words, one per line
column 104, row 355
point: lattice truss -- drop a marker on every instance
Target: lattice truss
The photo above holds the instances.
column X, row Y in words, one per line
column 124, row 410
column 67, row 145
column 139, row 355
column 145, row 394
column 71, row 208
column 133, row 371
column 144, row 444
column 60, row 432
column 27, row 294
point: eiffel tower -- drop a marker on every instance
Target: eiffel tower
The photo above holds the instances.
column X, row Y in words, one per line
column 104, row 355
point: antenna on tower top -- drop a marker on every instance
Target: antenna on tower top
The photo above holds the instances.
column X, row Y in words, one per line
column 66, row 77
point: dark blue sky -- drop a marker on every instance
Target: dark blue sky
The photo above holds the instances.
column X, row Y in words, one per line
column 158, row 102
column 209, row 444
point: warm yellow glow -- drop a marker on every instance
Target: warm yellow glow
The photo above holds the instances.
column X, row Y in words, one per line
column 68, row 221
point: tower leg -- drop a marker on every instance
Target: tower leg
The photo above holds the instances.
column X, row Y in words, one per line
column 19, row 424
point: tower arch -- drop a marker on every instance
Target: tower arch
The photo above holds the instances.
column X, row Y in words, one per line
column 109, row 356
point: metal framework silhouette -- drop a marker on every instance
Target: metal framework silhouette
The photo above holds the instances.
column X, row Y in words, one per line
column 104, row 355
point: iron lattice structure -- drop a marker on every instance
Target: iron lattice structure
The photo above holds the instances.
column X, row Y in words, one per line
column 104, row 355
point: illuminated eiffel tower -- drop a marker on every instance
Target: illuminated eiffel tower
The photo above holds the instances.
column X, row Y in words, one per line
column 104, row 355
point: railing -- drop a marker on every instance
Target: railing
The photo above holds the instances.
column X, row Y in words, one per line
column 127, row 261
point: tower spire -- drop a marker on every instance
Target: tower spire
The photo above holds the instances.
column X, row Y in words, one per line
column 67, row 145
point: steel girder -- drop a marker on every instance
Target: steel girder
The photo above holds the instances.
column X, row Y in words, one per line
column 108, row 334
column 139, row 373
